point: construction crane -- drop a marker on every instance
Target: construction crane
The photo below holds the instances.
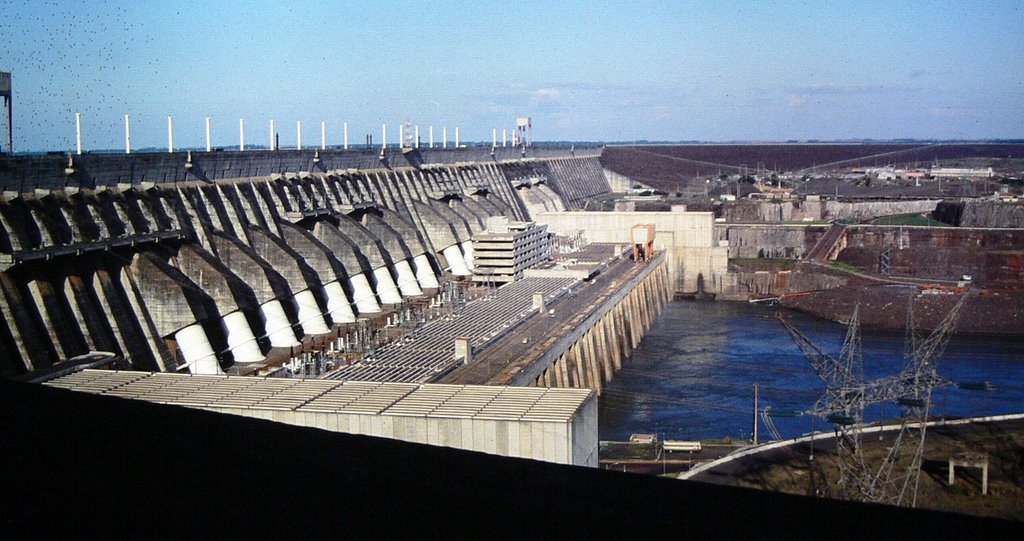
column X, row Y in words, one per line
column 891, row 474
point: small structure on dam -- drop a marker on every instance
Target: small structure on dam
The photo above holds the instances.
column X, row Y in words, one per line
column 8, row 96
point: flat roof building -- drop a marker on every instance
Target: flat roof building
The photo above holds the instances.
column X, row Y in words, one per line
column 961, row 172
column 550, row 424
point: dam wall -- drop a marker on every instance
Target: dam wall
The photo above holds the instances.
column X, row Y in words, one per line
column 695, row 259
column 620, row 183
column 23, row 173
column 177, row 262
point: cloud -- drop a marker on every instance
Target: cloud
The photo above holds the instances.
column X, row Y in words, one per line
column 801, row 95
column 832, row 89
column 949, row 111
column 545, row 94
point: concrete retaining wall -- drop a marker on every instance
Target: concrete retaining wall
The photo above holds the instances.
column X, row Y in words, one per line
column 979, row 213
column 687, row 237
column 785, row 241
column 559, row 442
column 795, row 211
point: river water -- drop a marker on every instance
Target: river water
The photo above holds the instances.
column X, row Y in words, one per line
column 693, row 375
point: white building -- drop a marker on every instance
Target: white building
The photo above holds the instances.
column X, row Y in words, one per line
column 507, row 248
column 961, row 172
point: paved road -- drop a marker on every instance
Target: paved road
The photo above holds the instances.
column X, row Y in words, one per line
column 974, row 435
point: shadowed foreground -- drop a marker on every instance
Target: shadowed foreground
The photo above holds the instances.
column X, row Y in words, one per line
column 91, row 463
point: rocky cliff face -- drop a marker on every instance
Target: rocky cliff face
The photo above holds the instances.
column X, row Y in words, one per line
column 743, row 285
column 993, row 257
column 795, row 211
column 975, row 213
column 885, row 307
column 771, row 241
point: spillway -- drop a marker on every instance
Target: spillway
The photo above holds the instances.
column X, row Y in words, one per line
column 202, row 261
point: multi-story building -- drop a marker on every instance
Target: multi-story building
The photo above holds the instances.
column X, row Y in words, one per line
column 507, row 248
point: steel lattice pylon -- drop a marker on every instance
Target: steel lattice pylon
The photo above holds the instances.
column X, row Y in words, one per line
column 890, row 475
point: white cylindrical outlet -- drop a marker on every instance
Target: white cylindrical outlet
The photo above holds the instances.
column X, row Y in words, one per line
column 345, row 128
column 456, row 262
column 504, row 137
column 196, row 349
column 278, row 328
column 431, row 136
column 494, row 137
column 78, row 132
column 170, row 135
column 209, row 142
column 310, row 317
column 337, row 304
column 386, row 288
column 416, row 143
column 323, row 135
column 273, row 140
column 127, row 134
column 384, row 135
column 241, row 341
column 467, row 253
column 362, row 295
column 407, row 280
column 424, row 272
column 241, row 134
column 456, row 137
column 298, row 134
column 444, row 137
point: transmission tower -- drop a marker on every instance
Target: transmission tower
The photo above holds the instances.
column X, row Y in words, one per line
column 892, row 473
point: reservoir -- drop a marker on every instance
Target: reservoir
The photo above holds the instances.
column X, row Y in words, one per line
column 693, row 375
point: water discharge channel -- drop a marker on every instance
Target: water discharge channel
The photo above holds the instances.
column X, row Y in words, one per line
column 693, row 375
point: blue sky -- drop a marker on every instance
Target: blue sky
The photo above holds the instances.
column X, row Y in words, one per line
column 614, row 71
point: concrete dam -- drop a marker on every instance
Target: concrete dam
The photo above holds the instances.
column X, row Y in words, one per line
column 208, row 262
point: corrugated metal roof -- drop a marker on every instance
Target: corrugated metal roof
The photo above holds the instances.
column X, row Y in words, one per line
column 329, row 396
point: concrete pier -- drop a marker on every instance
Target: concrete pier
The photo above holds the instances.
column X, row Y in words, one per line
column 608, row 336
column 584, row 335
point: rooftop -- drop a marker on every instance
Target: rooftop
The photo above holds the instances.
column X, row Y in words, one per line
column 330, row 396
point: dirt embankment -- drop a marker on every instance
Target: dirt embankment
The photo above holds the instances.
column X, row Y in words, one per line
column 885, row 307
column 1002, row 443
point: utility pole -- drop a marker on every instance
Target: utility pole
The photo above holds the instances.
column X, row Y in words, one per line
column 755, row 414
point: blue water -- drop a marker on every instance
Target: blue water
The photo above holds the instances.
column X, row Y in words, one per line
column 693, row 375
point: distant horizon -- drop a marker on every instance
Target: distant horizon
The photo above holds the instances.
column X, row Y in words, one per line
column 733, row 70
column 487, row 144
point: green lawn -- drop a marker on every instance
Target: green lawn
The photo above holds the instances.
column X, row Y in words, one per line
column 763, row 263
column 909, row 219
column 845, row 266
